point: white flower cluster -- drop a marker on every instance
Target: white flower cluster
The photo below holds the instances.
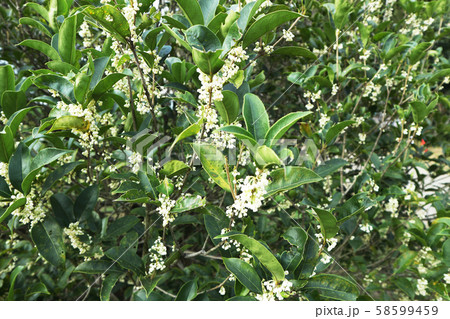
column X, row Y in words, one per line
column 367, row 228
column 312, row 97
column 86, row 34
column 288, row 35
column 422, row 285
column 273, row 290
column 362, row 138
column 372, row 90
column 34, row 210
column 3, row 118
column 129, row 12
column 392, row 206
column 135, row 160
column 156, row 253
column 334, row 89
column 373, row 185
column 164, row 210
column 416, row 26
column 252, row 191
column 324, row 119
column 73, row 232
column 447, row 279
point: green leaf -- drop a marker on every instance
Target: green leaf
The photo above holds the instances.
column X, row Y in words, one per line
column 203, row 39
column 341, row 13
column 188, row 291
column 189, row 131
column 336, row 129
column 47, row 236
column 19, row 166
column 38, row 288
column 13, row 101
column 82, row 82
column 121, row 226
column 12, row 281
column 62, row 207
column 69, row 122
column 7, row 79
column 240, row 133
column 228, row 108
column 57, row 174
column 290, row 177
column 37, row 24
column 419, row 51
column 57, row 83
column 333, row 287
column 265, row 156
column 127, row 259
column 107, row 286
column 106, row 84
column 255, row 116
column 420, row 110
column 67, row 39
column 4, row 188
column 331, row 166
column 446, row 252
column 86, row 201
column 43, row 47
column 296, row 236
column 328, row 223
column 403, row 261
column 15, row 205
column 394, row 51
column 208, row 62
column 166, row 187
column 261, row 252
column 94, row 267
column 177, row 37
column 16, row 119
column 295, row 51
column 185, row 204
column 282, row 126
column 192, row 11
column 174, row 168
column 208, row 8
column 149, row 284
column 110, row 19
column 245, row 273
column 6, row 144
column 213, row 162
column 44, row 157
column 267, row 23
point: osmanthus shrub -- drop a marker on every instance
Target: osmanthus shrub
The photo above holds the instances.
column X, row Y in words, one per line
column 224, row 150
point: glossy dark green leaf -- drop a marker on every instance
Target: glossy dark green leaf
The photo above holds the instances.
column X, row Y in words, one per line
column 446, row 252
column 6, row 144
column 94, row 267
column 127, row 259
column 57, row 83
column 82, row 82
column 330, row 166
column 328, row 223
column 4, row 188
column 290, row 177
column 12, row 281
column 267, row 23
column 111, row 19
column 86, row 201
column 47, row 236
column 107, row 286
column 208, row 62
column 43, row 47
column 192, row 11
column 67, row 40
column 15, row 205
column 280, row 127
column 188, row 203
column 240, row 133
column 13, row 101
column 7, row 78
column 188, row 291
column 57, row 174
column 296, row 236
column 419, row 51
column 333, row 287
column 203, row 39
column 255, row 116
column 245, row 273
column 261, row 252
column 228, row 107
column 208, row 8
column 121, row 226
column 19, row 166
column 17, row 118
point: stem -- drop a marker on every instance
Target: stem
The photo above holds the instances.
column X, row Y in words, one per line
column 133, row 112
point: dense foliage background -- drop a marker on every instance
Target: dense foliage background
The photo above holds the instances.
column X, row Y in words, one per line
column 224, row 150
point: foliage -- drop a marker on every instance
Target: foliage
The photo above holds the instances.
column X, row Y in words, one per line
column 224, row 150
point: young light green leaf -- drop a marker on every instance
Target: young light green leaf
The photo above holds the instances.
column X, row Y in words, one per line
column 7, row 79
column 192, row 11
column 174, row 168
column 213, row 161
